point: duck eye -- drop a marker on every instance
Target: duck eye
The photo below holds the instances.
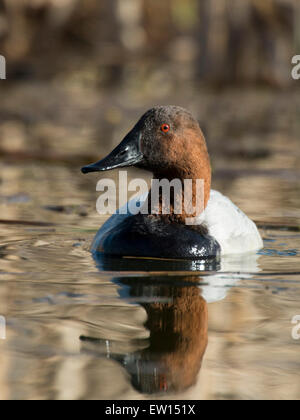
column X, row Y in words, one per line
column 165, row 128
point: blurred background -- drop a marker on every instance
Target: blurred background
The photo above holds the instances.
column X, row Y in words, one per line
column 80, row 72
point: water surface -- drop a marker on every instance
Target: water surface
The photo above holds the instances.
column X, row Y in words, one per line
column 78, row 328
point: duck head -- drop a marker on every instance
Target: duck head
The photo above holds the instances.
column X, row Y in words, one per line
column 167, row 141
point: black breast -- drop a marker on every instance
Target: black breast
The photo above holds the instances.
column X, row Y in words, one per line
column 153, row 237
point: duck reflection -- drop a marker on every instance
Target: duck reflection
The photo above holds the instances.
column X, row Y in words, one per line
column 106, row 263
column 177, row 320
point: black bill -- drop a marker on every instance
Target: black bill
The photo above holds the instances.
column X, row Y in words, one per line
column 127, row 153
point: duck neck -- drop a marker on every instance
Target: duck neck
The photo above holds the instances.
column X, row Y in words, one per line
column 191, row 198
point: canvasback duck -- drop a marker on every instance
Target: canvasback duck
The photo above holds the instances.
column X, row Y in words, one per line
column 168, row 142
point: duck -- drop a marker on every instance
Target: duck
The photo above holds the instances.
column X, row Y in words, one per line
column 168, row 142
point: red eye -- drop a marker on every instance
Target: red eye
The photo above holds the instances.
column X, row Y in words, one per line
column 165, row 128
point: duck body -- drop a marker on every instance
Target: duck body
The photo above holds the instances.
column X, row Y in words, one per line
column 168, row 142
column 150, row 236
column 223, row 230
column 234, row 231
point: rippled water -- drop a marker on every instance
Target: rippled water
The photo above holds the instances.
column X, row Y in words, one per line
column 80, row 328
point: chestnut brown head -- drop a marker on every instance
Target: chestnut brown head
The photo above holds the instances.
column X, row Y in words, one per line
column 167, row 141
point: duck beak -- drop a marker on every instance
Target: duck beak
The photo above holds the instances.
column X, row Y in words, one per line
column 128, row 153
